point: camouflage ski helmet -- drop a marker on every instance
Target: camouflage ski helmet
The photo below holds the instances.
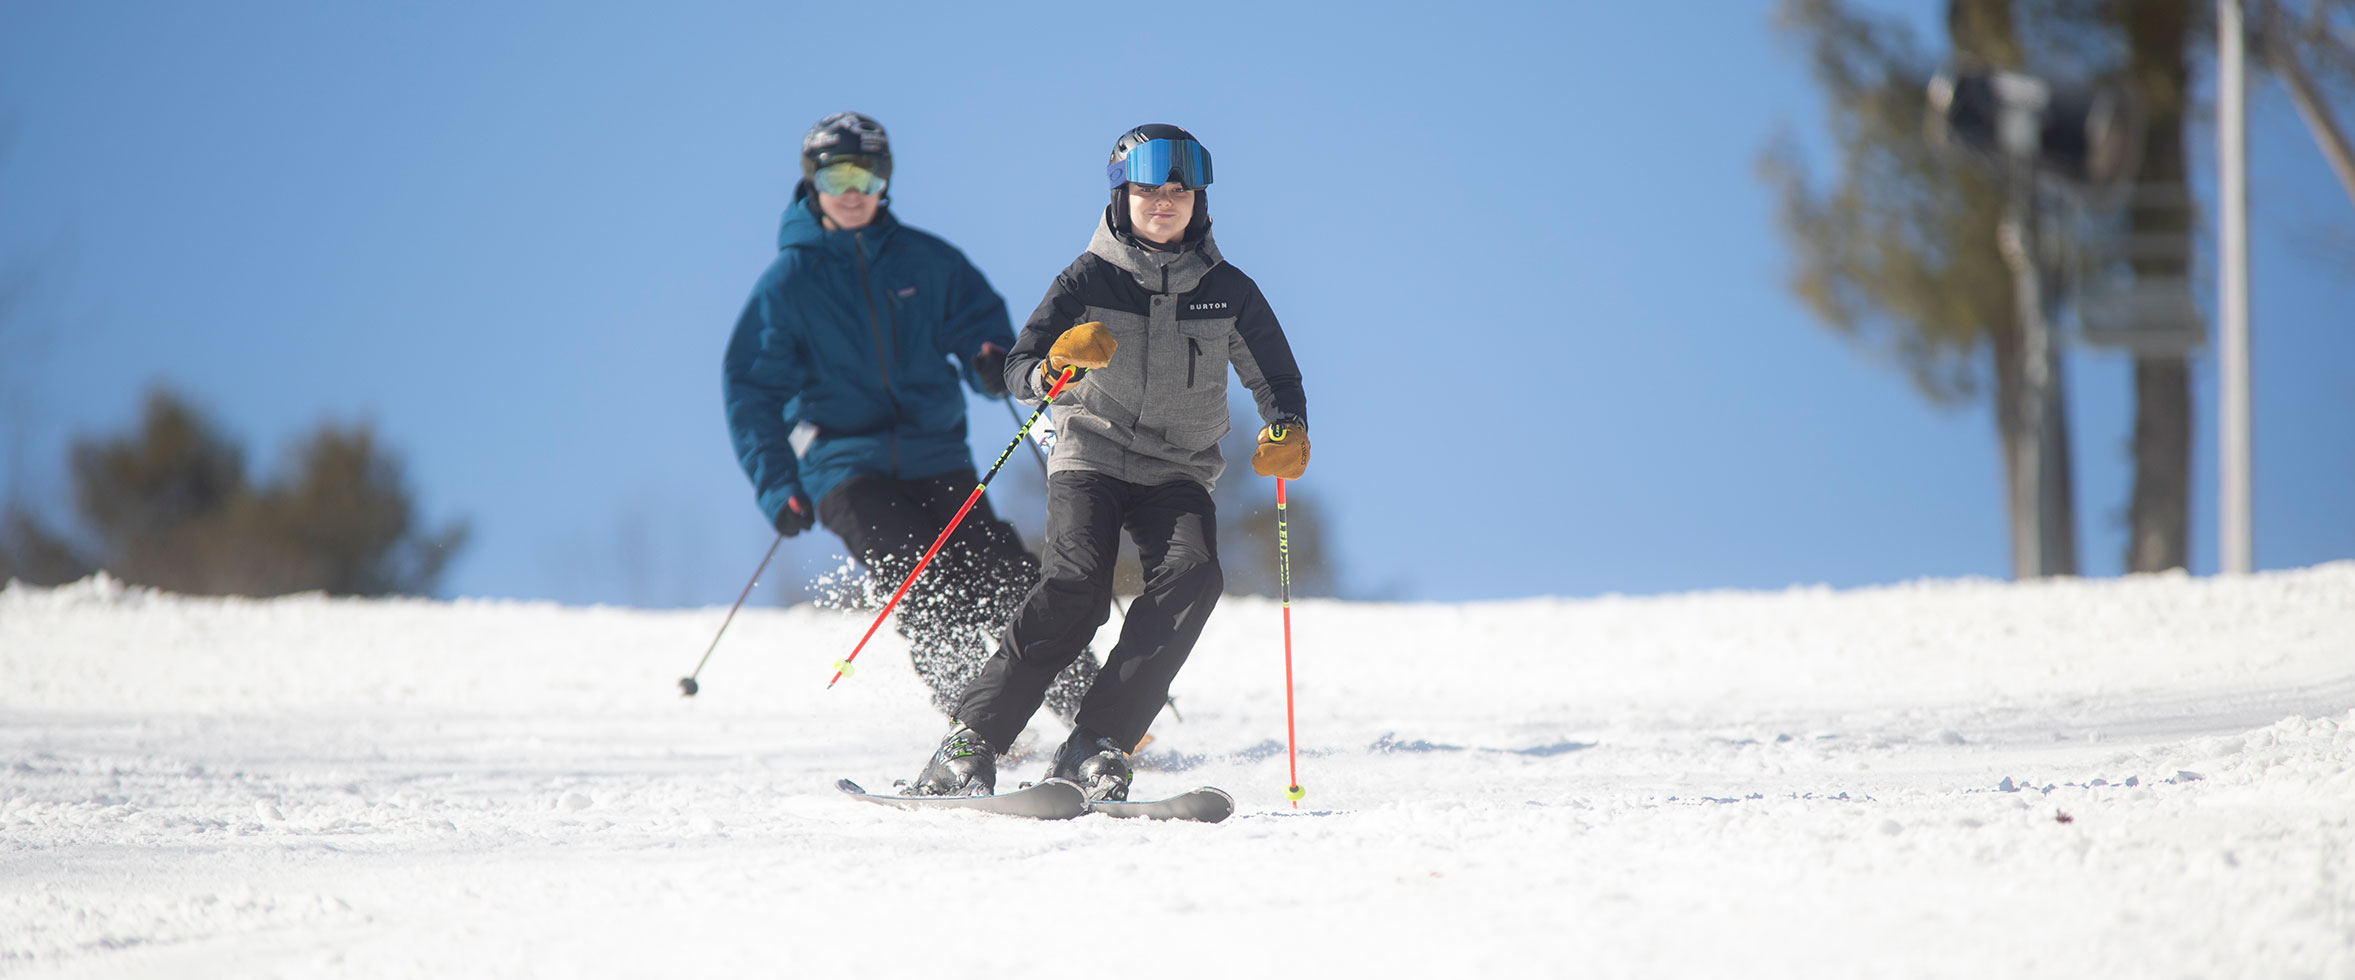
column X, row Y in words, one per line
column 846, row 137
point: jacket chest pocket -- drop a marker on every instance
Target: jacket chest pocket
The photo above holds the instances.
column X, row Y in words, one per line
column 1185, row 399
column 1205, row 352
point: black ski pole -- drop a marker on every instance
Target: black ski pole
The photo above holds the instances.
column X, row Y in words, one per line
column 687, row 685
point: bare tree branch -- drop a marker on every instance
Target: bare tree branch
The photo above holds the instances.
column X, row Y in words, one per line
column 2282, row 55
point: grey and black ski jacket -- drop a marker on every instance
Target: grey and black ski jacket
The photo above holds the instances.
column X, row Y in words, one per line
column 1156, row 412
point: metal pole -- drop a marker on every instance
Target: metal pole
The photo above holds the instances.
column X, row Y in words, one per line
column 2042, row 541
column 2232, row 354
column 2034, row 540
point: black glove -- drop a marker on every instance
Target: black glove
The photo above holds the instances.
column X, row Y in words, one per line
column 796, row 516
column 991, row 365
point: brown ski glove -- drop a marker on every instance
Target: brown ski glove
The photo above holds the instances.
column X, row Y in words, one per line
column 1087, row 347
column 1283, row 450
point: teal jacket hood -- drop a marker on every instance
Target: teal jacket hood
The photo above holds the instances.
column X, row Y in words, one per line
column 802, row 227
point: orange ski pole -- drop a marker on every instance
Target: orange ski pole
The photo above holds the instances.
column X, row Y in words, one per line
column 842, row 667
column 1284, row 589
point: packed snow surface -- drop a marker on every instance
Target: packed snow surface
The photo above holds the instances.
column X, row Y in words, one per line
column 2147, row 777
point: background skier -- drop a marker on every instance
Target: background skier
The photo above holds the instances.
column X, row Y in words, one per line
column 842, row 401
column 1154, row 316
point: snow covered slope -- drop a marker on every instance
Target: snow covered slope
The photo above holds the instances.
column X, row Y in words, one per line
column 2151, row 777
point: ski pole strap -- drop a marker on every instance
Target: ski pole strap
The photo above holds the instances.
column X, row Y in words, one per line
column 1035, row 449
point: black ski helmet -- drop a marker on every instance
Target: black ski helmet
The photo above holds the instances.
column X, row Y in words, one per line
column 1139, row 136
column 846, row 135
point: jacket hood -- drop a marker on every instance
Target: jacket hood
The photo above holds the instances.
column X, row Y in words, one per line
column 801, row 226
column 1183, row 268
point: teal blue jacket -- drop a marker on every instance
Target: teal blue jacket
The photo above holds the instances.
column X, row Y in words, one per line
column 863, row 335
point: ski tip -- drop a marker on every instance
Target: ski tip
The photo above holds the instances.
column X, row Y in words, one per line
column 1224, row 797
column 849, row 787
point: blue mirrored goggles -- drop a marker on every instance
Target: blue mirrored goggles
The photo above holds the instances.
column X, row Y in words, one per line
column 842, row 178
column 1157, row 162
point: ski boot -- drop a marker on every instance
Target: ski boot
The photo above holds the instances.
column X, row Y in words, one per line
column 1096, row 764
column 964, row 765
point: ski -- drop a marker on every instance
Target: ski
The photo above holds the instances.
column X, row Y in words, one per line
column 1055, row 799
column 1209, row 804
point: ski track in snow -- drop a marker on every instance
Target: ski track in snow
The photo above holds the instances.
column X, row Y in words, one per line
column 2145, row 777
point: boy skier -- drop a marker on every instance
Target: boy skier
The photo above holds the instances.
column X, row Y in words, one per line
column 1148, row 320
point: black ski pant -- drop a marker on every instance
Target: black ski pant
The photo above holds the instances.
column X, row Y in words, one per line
column 967, row 592
column 1175, row 527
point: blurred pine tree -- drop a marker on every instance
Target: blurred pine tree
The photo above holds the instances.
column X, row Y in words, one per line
column 169, row 505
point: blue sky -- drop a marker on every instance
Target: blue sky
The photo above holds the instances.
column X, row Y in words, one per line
column 1535, row 286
